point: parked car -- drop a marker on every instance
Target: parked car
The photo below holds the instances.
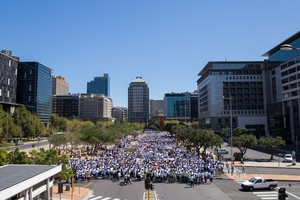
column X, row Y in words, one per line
column 288, row 158
column 259, row 183
column 20, row 142
column 223, row 151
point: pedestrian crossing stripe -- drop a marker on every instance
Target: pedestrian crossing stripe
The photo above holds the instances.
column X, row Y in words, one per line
column 93, row 197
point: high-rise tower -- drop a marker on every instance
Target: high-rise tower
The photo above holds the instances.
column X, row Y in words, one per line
column 100, row 85
column 138, row 101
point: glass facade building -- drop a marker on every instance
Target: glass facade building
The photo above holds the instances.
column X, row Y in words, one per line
column 34, row 89
column 177, row 106
column 100, row 85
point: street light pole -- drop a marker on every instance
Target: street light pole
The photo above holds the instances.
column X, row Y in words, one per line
column 185, row 121
column 230, row 110
column 230, row 107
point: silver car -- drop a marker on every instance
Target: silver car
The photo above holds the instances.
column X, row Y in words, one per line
column 223, row 151
column 288, row 158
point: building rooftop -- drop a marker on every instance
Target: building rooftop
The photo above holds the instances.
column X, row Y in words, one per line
column 13, row 174
column 277, row 47
column 138, row 80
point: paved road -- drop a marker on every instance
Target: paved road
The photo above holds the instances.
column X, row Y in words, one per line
column 233, row 190
column 28, row 145
column 107, row 190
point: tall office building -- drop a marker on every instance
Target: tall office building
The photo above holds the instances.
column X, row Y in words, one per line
column 119, row 113
column 156, row 107
column 65, row 105
column 100, row 85
column 138, row 101
column 34, row 89
column 232, row 94
column 283, row 87
column 177, row 106
column 59, row 86
column 95, row 107
column 194, row 106
column 8, row 81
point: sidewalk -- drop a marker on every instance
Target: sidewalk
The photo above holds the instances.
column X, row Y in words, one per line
column 238, row 175
column 80, row 193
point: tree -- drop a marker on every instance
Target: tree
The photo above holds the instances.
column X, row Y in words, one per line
column 48, row 157
column 58, row 124
column 154, row 123
column 169, row 124
column 179, row 132
column 204, row 139
column 243, row 142
column 57, row 140
column 40, row 129
column 8, row 129
column 239, row 131
column 18, row 157
column 51, row 157
column 3, row 157
column 271, row 143
column 25, row 120
column 73, row 133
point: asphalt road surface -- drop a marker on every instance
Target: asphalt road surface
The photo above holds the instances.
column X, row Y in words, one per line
column 233, row 190
column 108, row 190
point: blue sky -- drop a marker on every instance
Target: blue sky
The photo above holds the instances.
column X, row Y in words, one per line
column 167, row 42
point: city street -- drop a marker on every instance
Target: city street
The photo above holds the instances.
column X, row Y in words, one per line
column 221, row 188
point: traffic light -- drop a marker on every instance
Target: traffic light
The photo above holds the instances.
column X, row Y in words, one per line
column 147, row 184
column 152, row 186
column 60, row 187
column 282, row 194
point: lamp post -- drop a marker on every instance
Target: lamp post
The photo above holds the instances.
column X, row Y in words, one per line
column 185, row 121
column 230, row 110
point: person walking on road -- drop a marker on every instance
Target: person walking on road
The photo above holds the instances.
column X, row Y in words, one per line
column 243, row 168
column 232, row 169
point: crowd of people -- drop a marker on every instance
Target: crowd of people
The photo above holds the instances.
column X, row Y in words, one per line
column 154, row 155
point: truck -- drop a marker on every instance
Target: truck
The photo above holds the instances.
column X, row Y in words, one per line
column 259, row 183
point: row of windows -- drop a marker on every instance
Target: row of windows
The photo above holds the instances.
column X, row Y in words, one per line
column 291, row 78
column 243, row 77
column 290, row 63
column 291, row 94
column 290, row 71
column 243, row 112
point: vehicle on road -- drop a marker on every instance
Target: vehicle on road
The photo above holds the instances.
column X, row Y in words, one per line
column 288, row 158
column 259, row 183
column 223, row 151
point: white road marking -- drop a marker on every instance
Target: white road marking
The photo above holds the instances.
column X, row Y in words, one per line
column 95, row 198
column 293, row 195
